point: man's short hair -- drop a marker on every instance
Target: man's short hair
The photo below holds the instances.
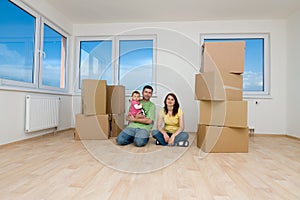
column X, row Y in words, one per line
column 148, row 87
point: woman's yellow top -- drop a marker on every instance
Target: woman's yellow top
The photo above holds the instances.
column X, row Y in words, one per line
column 172, row 123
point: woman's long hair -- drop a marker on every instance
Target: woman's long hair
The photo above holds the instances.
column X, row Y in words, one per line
column 176, row 104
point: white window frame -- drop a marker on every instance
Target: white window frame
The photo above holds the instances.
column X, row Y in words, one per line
column 115, row 57
column 137, row 37
column 38, row 42
column 41, row 53
column 79, row 39
column 266, row 93
column 35, row 53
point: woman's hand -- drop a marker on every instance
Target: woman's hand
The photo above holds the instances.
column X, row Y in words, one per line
column 166, row 137
column 171, row 140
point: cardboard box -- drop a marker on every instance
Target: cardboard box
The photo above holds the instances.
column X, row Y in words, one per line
column 117, row 124
column 95, row 127
column 224, row 113
column 226, row 57
column 115, row 102
column 93, row 94
column 211, row 86
column 216, row 139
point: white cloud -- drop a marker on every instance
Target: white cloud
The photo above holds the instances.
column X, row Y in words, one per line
column 253, row 80
column 18, row 73
column 10, row 56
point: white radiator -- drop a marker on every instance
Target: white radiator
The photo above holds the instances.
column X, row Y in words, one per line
column 42, row 112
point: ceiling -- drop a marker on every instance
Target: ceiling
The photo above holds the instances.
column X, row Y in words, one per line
column 109, row 11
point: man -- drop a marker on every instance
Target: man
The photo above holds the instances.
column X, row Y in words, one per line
column 139, row 127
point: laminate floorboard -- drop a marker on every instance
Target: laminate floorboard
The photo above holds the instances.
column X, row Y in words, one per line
column 59, row 167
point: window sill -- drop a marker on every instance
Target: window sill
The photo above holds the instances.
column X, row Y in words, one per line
column 33, row 90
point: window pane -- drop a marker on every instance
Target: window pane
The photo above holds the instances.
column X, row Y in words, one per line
column 135, row 63
column 96, row 60
column 54, row 58
column 17, row 32
column 254, row 63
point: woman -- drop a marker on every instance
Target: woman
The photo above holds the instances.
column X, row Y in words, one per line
column 172, row 116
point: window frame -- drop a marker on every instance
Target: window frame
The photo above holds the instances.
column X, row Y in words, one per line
column 266, row 93
column 136, row 37
column 41, row 53
column 115, row 56
column 38, row 53
column 79, row 39
column 34, row 84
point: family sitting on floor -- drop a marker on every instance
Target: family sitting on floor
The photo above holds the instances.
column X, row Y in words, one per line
column 141, row 116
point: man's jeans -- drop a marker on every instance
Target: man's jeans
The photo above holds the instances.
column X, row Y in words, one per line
column 138, row 136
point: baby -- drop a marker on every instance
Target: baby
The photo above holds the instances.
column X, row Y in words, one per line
column 135, row 106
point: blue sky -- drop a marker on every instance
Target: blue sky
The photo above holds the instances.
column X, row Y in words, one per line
column 18, row 28
column 136, row 63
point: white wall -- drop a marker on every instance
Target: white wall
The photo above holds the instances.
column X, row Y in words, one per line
column 12, row 102
column 12, row 106
column 178, row 61
column 293, row 72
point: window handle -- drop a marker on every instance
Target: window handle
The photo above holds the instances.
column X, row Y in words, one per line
column 43, row 53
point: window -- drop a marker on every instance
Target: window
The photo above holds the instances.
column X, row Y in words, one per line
column 135, row 63
column 32, row 50
column 16, row 47
column 53, row 58
column 256, row 70
column 132, row 64
column 96, row 60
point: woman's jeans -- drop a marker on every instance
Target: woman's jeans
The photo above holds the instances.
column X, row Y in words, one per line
column 182, row 136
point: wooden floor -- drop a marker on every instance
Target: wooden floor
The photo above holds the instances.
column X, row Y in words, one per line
column 57, row 167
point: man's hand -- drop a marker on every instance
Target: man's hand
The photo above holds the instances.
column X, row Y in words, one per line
column 129, row 117
column 139, row 116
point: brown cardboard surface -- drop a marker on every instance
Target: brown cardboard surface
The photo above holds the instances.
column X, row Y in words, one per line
column 216, row 139
column 93, row 94
column 115, row 99
column 94, row 127
column 231, row 80
column 226, row 57
column 117, row 124
column 211, row 86
column 224, row 113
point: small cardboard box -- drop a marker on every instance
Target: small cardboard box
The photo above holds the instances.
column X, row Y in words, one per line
column 93, row 93
column 94, row 127
column 226, row 57
column 224, row 113
column 211, row 86
column 117, row 124
column 115, row 99
column 216, row 139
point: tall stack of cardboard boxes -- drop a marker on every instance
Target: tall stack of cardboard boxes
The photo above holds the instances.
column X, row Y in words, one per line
column 103, row 108
column 223, row 113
